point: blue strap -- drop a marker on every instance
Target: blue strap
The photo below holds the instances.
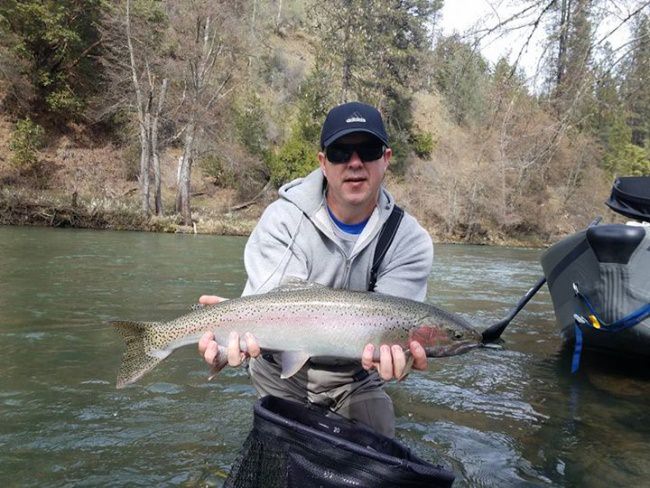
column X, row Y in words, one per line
column 575, row 363
column 625, row 323
column 635, row 317
column 630, row 320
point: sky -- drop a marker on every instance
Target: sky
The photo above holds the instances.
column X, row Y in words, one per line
column 461, row 15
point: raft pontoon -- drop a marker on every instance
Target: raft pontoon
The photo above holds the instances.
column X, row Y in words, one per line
column 599, row 278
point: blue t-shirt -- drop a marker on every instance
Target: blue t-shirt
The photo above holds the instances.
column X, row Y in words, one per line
column 354, row 229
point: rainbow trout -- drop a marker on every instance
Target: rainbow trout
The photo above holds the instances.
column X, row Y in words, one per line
column 300, row 320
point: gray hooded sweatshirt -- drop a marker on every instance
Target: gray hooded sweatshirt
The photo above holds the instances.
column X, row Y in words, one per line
column 295, row 237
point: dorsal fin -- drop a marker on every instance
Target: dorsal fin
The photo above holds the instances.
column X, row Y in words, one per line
column 293, row 283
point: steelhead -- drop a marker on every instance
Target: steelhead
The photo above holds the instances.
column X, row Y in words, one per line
column 300, row 320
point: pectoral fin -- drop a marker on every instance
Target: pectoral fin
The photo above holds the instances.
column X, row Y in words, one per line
column 220, row 362
column 292, row 362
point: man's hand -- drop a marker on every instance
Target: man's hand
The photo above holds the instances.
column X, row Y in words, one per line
column 392, row 360
column 218, row 356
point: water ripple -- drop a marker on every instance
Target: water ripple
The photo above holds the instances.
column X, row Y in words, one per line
column 495, row 459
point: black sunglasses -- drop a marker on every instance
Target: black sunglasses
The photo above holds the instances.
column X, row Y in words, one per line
column 341, row 153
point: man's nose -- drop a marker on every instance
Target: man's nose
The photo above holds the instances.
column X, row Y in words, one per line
column 355, row 160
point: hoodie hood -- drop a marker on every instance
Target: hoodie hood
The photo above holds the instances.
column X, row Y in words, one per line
column 308, row 194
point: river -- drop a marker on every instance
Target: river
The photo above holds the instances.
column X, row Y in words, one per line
column 508, row 416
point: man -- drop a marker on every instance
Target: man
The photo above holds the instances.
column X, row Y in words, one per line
column 324, row 229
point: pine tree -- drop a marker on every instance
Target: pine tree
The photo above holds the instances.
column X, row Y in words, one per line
column 373, row 51
column 462, row 77
column 573, row 63
column 636, row 87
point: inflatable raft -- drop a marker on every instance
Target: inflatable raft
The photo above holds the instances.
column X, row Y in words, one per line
column 599, row 278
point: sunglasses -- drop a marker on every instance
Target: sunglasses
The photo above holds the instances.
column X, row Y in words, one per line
column 341, row 153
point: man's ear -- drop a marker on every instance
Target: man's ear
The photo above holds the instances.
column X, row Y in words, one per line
column 321, row 161
column 388, row 153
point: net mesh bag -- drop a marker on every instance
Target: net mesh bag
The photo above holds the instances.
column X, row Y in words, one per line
column 295, row 445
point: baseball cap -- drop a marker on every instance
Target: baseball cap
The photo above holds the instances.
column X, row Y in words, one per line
column 352, row 117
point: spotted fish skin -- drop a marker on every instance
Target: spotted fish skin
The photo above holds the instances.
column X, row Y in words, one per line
column 300, row 321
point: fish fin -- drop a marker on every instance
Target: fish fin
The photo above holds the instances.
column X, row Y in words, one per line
column 220, row 362
column 292, row 362
column 139, row 356
column 202, row 306
column 293, row 283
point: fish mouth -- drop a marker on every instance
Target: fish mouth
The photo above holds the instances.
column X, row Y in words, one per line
column 451, row 349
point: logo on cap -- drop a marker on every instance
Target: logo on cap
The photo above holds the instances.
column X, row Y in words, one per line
column 355, row 117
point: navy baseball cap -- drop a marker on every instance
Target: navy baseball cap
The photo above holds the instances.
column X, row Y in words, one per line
column 352, row 117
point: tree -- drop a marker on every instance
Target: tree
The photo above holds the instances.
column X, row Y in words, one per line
column 573, row 75
column 571, row 43
column 135, row 82
column 461, row 75
column 204, row 49
column 57, row 42
column 297, row 155
column 609, row 105
column 316, row 99
column 149, row 104
column 343, row 42
column 636, row 85
column 373, row 52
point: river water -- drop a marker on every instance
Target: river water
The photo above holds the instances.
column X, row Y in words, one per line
column 510, row 416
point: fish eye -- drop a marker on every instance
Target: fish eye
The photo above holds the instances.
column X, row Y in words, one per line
column 458, row 335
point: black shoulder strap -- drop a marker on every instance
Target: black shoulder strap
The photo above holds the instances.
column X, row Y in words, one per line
column 386, row 236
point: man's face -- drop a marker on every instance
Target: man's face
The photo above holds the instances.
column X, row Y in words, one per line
column 354, row 184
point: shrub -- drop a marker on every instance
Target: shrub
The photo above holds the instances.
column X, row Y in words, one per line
column 628, row 160
column 422, row 144
column 213, row 167
column 250, row 124
column 64, row 101
column 26, row 140
column 399, row 143
column 295, row 158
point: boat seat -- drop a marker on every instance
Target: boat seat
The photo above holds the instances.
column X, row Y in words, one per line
column 614, row 243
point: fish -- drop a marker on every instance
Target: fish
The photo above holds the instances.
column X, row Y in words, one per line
column 300, row 320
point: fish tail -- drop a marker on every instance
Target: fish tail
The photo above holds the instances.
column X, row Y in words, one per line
column 141, row 353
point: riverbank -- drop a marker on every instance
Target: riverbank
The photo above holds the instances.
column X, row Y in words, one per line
column 83, row 179
column 23, row 207
column 20, row 207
